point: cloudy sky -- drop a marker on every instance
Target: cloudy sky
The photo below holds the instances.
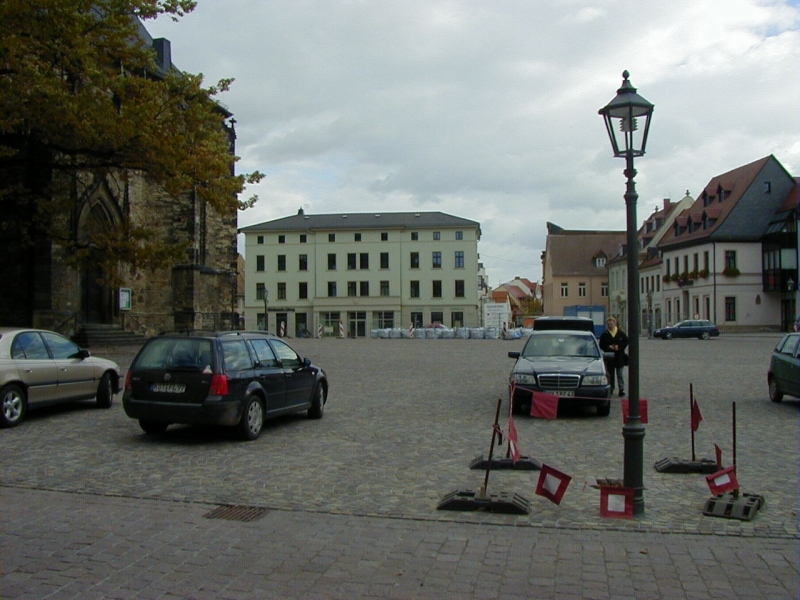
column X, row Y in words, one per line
column 488, row 109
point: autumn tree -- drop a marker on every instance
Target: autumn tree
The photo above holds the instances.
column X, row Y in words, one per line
column 82, row 98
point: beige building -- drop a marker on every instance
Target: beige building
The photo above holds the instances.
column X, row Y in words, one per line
column 574, row 267
column 361, row 271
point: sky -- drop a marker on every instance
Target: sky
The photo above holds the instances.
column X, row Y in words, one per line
column 488, row 110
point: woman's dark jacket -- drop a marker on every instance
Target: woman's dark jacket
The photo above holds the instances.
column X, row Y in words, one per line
column 607, row 340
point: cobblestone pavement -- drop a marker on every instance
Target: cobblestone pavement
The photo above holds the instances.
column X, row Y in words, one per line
column 92, row 504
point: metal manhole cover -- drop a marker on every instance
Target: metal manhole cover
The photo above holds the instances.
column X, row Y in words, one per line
column 237, row 513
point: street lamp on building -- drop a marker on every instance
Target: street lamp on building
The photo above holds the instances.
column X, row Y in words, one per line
column 622, row 117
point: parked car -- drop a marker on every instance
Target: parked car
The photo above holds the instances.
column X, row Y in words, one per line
column 783, row 376
column 234, row 378
column 565, row 363
column 571, row 323
column 39, row 367
column 699, row 328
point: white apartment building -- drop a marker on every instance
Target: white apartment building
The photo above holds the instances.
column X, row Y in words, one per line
column 361, row 271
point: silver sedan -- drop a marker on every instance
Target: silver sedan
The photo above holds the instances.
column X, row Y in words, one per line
column 39, row 367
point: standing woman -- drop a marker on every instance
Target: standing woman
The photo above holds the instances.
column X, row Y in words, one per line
column 613, row 339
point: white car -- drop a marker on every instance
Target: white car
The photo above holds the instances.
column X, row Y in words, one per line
column 39, row 367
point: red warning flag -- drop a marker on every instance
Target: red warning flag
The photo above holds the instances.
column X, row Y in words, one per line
column 697, row 416
column 552, row 484
column 544, row 405
column 723, row 481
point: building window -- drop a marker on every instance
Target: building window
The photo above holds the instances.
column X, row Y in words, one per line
column 437, row 235
column 385, row 319
column 384, row 236
column 261, row 291
column 260, row 239
column 600, row 261
column 363, row 260
column 582, row 290
column 260, row 263
column 437, row 288
column 415, row 260
column 459, row 259
column 357, row 237
column 363, row 288
column 459, row 235
column 666, row 263
column 281, row 291
column 281, row 262
column 384, row 260
column 331, row 262
column 351, row 288
column 331, row 289
column 767, row 187
column 437, row 260
column 281, row 239
column 416, row 319
column 459, row 288
column 303, row 238
column 331, row 237
column 351, row 261
column 730, row 259
column 414, row 236
column 730, row 308
column 705, row 260
column 695, row 263
column 302, row 290
column 565, row 290
column 437, row 317
column 384, row 288
column 302, row 262
column 604, row 290
column 414, row 289
column 457, row 319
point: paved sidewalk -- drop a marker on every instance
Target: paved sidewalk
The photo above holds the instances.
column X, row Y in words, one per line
column 64, row 545
column 91, row 507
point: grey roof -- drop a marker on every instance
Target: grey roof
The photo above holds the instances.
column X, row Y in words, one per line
column 373, row 220
column 572, row 252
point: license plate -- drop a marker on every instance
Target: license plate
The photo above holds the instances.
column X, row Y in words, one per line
column 562, row 393
column 168, row 388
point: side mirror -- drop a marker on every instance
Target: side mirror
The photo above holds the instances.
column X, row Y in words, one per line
column 83, row 353
column 306, row 362
column 513, row 355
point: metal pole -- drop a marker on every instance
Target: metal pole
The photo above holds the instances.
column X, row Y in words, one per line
column 691, row 417
column 633, row 430
column 491, row 449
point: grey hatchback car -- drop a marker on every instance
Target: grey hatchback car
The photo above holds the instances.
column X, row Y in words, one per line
column 233, row 378
column 783, row 377
column 40, row 367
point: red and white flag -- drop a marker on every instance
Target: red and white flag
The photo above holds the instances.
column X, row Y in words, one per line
column 723, row 481
column 616, row 502
column 642, row 411
column 697, row 416
column 552, row 484
column 544, row 405
column 513, row 441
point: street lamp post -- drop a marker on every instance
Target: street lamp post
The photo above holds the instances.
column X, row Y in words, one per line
column 623, row 112
column 792, row 309
column 649, row 314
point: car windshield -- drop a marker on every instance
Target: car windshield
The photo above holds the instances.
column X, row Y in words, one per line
column 561, row 344
column 171, row 353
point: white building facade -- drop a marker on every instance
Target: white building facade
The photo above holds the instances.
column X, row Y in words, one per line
column 351, row 273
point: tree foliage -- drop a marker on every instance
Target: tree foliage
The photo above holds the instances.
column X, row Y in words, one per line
column 82, row 99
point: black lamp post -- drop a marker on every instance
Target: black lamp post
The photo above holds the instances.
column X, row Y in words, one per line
column 623, row 114
column 790, row 285
column 266, row 300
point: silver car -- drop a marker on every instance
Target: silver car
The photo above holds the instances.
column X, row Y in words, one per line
column 39, row 367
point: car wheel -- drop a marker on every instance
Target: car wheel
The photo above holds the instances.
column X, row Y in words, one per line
column 15, row 404
column 705, row 335
column 252, row 419
column 153, row 427
column 317, row 402
column 604, row 408
column 774, row 394
column 668, row 335
column 105, row 391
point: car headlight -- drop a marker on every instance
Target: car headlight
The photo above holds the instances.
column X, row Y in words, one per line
column 523, row 378
column 595, row 380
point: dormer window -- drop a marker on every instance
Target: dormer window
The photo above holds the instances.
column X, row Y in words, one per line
column 767, row 187
column 600, row 261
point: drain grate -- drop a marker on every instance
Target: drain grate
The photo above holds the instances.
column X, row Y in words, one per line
column 237, row 513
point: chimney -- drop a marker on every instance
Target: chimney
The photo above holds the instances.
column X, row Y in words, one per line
column 163, row 53
column 667, row 203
